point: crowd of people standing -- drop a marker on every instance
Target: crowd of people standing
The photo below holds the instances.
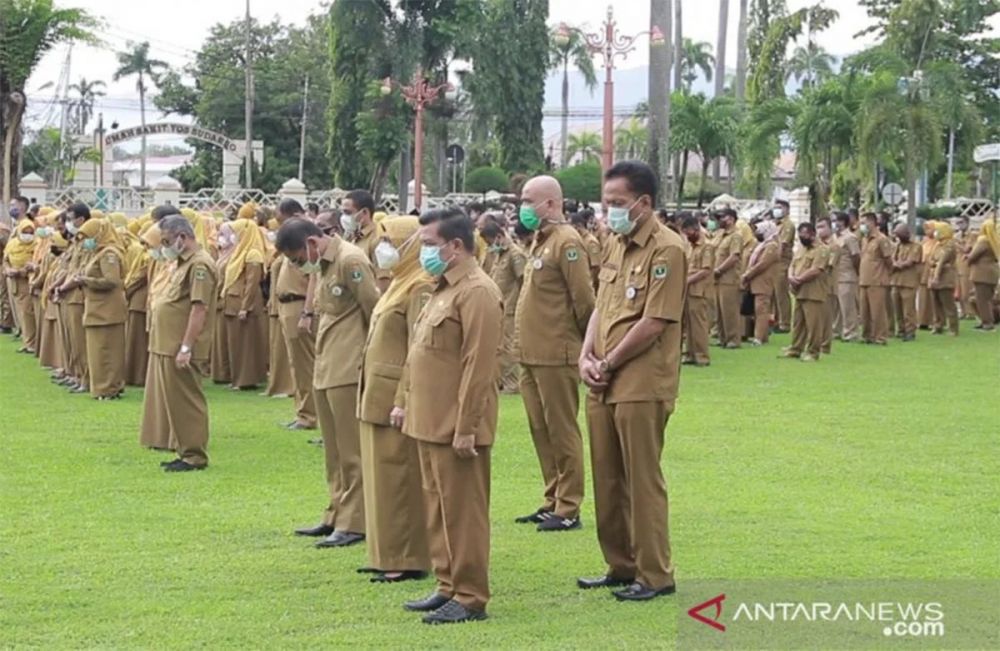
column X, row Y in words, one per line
column 395, row 335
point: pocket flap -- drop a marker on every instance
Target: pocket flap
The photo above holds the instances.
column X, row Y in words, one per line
column 390, row 371
column 607, row 274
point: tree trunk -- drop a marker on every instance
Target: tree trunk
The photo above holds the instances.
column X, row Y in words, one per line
column 951, row 162
column 720, row 64
column 741, row 55
column 404, row 177
column 565, row 112
column 659, row 97
column 911, row 193
column 681, row 179
column 142, row 121
column 678, row 45
column 701, row 186
column 12, row 108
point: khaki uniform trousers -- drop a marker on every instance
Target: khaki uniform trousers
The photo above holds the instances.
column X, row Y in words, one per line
column 630, row 493
column 874, row 324
column 337, row 409
column 904, row 304
column 78, row 342
column 966, row 293
column 6, row 310
column 222, row 372
column 984, row 303
column 136, row 349
column 301, row 349
column 25, row 310
column 782, row 299
column 395, row 526
column 696, row 326
column 847, row 300
column 457, row 507
column 551, row 397
column 730, row 322
column 509, row 369
column 925, row 307
column 945, row 309
column 174, row 408
column 106, row 359
column 279, row 369
column 830, row 310
column 807, row 327
column 762, row 317
column 67, row 344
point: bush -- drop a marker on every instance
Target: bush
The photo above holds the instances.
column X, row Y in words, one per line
column 936, row 212
column 484, row 179
column 581, row 182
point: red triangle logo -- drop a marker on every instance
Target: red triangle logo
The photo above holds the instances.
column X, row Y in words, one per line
column 714, row 622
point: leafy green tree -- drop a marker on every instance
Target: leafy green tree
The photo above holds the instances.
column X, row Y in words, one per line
column 810, row 64
column 574, row 50
column 586, row 145
column 28, row 29
column 707, row 127
column 696, row 57
column 83, row 104
column 484, row 179
column 581, row 182
column 136, row 61
column 632, row 139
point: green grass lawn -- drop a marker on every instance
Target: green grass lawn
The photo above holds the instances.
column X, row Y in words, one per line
column 875, row 462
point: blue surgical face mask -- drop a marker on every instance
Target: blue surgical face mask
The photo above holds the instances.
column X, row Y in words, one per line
column 89, row 243
column 618, row 219
column 430, row 260
column 15, row 212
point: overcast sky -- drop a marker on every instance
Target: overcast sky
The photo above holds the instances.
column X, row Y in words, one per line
column 176, row 29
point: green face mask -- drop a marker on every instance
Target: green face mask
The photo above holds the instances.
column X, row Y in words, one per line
column 712, row 225
column 529, row 218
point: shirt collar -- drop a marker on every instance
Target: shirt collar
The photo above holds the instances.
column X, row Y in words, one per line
column 460, row 271
column 186, row 254
column 642, row 233
column 332, row 248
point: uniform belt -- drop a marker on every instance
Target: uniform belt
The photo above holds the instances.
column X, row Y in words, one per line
column 290, row 298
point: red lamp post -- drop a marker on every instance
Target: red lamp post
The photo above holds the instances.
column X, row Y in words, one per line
column 418, row 94
column 611, row 44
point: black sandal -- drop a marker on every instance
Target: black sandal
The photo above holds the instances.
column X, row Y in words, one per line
column 405, row 575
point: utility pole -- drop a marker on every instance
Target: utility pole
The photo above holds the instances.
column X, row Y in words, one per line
column 248, row 101
column 64, row 118
column 302, row 136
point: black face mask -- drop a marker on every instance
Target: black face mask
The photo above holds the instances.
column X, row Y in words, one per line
column 806, row 241
column 759, row 236
column 693, row 237
column 903, row 240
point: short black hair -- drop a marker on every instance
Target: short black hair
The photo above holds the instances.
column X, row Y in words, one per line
column 293, row 233
column 24, row 201
column 843, row 218
column 870, row 215
column 639, row 176
column 313, row 207
column 782, row 202
column 290, row 207
column 726, row 212
column 490, row 229
column 691, row 222
column 80, row 209
column 453, row 224
column 477, row 207
column 165, row 210
column 362, row 200
column 521, row 230
column 806, row 226
column 581, row 219
column 824, row 219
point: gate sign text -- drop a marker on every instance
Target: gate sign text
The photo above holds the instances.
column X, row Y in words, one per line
column 171, row 129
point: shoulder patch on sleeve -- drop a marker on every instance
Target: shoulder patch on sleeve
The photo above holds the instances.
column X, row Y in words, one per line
column 200, row 273
column 572, row 254
column 111, row 258
column 660, row 271
column 356, row 276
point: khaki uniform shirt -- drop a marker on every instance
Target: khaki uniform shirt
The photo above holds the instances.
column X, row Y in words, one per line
column 104, row 290
column 983, row 267
column 731, row 243
column 833, row 251
column 556, row 299
column 193, row 280
column 805, row 259
column 942, row 262
column 508, row 272
column 344, row 297
column 593, row 246
column 847, row 243
column 764, row 265
column 909, row 277
column 291, row 283
column 381, row 388
column 78, row 262
column 367, row 239
column 643, row 275
column 876, row 260
column 965, row 242
column 452, row 367
column 701, row 258
column 786, row 239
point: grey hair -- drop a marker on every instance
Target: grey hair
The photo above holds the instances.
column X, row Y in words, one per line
column 174, row 225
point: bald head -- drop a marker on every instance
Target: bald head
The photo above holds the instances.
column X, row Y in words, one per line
column 902, row 231
column 545, row 195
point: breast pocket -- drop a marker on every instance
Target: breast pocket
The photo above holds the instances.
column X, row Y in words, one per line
column 437, row 329
column 633, row 291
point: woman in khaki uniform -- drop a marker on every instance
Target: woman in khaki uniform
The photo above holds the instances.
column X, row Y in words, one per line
column 221, row 371
column 759, row 279
column 36, row 278
column 985, row 273
column 105, row 310
column 943, row 279
column 394, row 522
column 50, row 350
column 925, row 304
column 137, row 263
column 243, row 309
column 17, row 266
column 279, row 367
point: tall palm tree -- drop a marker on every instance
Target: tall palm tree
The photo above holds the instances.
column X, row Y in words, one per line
column 586, row 144
column 696, row 57
column 720, row 64
column 87, row 93
column 741, row 51
column 567, row 45
column 631, row 139
column 136, row 61
column 810, row 64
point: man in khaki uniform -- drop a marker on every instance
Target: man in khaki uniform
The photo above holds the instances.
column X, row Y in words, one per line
column 72, row 296
column 876, row 260
column 696, row 309
column 806, row 277
column 631, row 363
column 552, row 313
column 907, row 263
column 180, row 337
column 300, row 345
column 846, row 278
column 728, row 257
column 581, row 222
column 786, row 238
column 450, row 387
column 824, row 231
column 342, row 292
column 356, row 218
column 508, row 265
column 964, row 241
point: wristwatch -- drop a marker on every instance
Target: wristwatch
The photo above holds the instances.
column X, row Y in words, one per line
column 603, row 366
column 185, row 349
column 307, row 314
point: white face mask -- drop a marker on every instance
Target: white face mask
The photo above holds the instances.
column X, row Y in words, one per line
column 272, row 236
column 27, row 238
column 72, row 228
column 154, row 254
column 778, row 213
column 348, row 222
column 386, row 255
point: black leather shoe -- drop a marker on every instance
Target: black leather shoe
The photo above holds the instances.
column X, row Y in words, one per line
column 454, row 613
column 432, row 602
column 405, row 575
column 541, row 515
column 639, row 592
column 602, row 582
column 555, row 523
column 296, row 426
column 341, row 539
column 179, row 465
column 323, row 530
column 164, row 464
